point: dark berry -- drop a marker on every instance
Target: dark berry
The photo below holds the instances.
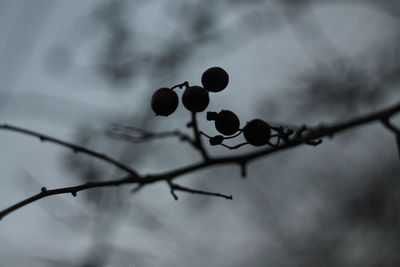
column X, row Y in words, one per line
column 226, row 122
column 195, row 99
column 215, row 79
column 257, row 132
column 164, row 101
column 216, row 140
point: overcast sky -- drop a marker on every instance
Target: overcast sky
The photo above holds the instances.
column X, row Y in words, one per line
column 56, row 95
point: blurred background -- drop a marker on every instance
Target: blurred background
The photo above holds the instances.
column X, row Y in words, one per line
column 72, row 69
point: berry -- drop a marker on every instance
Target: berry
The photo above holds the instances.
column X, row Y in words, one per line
column 226, row 122
column 164, row 101
column 215, row 79
column 257, row 132
column 195, row 99
column 216, row 140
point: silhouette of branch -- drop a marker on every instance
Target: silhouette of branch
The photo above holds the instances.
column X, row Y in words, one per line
column 67, row 190
column 175, row 187
column 196, row 133
column 74, row 147
column 241, row 159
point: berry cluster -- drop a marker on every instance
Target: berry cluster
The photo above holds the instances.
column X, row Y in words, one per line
column 196, row 99
column 256, row 132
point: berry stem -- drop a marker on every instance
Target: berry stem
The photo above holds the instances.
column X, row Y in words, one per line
column 236, row 146
column 181, row 85
column 233, row 136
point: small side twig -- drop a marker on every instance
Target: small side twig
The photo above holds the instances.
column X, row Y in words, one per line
column 177, row 187
column 172, row 189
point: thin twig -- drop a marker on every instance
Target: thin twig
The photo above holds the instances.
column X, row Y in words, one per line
column 74, row 147
column 198, row 140
column 67, row 190
column 174, row 187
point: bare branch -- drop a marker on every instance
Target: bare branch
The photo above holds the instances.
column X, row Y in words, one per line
column 74, row 147
column 44, row 192
column 241, row 159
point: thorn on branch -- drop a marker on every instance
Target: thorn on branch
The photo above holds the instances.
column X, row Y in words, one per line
column 73, row 193
column 137, row 188
column 314, row 142
column 43, row 189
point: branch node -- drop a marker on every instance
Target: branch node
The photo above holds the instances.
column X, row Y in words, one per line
column 172, row 190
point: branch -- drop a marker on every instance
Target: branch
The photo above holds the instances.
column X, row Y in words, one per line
column 74, row 147
column 242, row 159
column 67, row 190
column 198, row 142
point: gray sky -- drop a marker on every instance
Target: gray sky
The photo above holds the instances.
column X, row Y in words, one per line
column 265, row 66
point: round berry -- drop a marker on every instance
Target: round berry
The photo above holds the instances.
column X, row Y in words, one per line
column 257, row 132
column 164, row 101
column 195, row 99
column 215, row 79
column 227, row 122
